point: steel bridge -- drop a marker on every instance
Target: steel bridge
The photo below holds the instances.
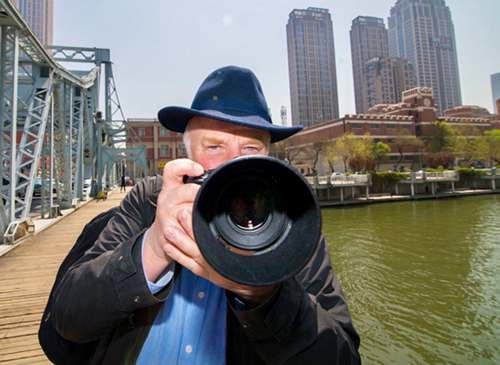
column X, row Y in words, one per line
column 58, row 127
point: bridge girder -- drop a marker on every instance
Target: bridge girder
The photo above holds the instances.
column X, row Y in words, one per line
column 50, row 120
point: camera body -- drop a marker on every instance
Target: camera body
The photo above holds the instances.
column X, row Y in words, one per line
column 255, row 219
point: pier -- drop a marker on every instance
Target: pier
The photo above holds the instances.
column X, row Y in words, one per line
column 27, row 274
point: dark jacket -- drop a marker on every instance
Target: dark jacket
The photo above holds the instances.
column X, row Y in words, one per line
column 105, row 297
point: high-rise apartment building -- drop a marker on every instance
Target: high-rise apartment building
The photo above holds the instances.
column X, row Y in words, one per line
column 368, row 40
column 39, row 14
column 495, row 90
column 422, row 32
column 311, row 65
column 386, row 79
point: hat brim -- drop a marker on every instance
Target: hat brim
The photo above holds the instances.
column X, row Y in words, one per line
column 176, row 118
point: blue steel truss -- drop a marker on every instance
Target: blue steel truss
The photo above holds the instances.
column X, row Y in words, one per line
column 50, row 120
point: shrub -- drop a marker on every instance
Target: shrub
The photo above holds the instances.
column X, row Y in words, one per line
column 469, row 172
column 386, row 180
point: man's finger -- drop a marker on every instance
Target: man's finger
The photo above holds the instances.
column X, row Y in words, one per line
column 174, row 171
column 181, row 240
column 185, row 218
column 185, row 260
column 182, row 194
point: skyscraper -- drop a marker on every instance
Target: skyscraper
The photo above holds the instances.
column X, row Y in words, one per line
column 386, row 79
column 39, row 14
column 495, row 90
column 311, row 66
column 368, row 40
column 284, row 116
column 422, row 32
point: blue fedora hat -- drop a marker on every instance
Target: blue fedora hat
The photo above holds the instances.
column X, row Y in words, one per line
column 230, row 94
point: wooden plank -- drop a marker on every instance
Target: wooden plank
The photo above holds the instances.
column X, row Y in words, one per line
column 27, row 274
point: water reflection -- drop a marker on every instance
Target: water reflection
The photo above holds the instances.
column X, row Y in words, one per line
column 422, row 278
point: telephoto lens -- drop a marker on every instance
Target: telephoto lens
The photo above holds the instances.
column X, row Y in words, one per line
column 256, row 220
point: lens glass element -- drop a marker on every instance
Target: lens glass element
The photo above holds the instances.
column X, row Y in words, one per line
column 249, row 204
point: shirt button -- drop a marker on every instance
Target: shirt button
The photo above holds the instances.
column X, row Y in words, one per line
column 201, row 295
column 189, row 349
column 137, row 299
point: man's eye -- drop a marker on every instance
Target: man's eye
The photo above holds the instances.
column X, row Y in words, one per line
column 251, row 149
column 213, row 147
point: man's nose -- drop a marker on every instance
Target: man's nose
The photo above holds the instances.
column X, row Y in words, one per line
column 234, row 151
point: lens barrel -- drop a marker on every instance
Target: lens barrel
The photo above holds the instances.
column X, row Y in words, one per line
column 256, row 220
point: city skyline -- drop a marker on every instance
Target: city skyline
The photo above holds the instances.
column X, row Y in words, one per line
column 175, row 47
column 423, row 33
column 369, row 40
column 386, row 80
column 311, row 66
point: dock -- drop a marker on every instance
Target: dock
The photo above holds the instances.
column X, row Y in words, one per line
column 27, row 274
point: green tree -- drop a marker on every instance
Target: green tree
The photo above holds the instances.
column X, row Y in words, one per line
column 380, row 150
column 442, row 139
column 355, row 152
column 491, row 143
column 363, row 158
column 404, row 142
column 342, row 148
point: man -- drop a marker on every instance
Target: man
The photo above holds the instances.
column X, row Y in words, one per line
column 147, row 295
column 122, row 183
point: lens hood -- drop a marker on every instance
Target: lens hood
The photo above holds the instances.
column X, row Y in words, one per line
column 256, row 220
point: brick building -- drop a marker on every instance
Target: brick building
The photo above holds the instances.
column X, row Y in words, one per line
column 413, row 117
column 161, row 144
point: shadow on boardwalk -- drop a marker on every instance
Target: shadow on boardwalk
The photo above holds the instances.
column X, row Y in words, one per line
column 26, row 277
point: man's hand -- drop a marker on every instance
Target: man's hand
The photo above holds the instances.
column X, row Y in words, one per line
column 171, row 235
column 175, row 198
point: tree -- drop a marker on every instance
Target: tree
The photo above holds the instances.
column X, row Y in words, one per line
column 316, row 149
column 342, row 148
column 405, row 141
column 355, row 152
column 441, row 145
column 380, row 150
column 442, row 138
column 363, row 158
column 492, row 141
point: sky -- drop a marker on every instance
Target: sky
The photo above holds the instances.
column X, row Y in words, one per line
column 162, row 50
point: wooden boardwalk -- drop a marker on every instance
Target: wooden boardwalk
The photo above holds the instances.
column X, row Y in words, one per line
column 26, row 277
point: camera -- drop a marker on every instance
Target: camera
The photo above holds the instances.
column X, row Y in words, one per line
column 256, row 220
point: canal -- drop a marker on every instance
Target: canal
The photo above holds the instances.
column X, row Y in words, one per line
column 422, row 278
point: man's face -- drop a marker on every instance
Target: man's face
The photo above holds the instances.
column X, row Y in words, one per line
column 213, row 142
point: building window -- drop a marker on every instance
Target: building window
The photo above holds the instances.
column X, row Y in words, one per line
column 141, row 132
column 181, row 150
column 163, row 132
column 164, row 150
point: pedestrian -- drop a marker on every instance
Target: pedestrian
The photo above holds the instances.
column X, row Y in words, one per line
column 147, row 295
column 122, row 184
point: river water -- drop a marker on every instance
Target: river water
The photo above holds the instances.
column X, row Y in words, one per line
column 422, row 279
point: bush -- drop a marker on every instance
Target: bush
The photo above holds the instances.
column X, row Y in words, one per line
column 469, row 172
column 438, row 169
column 391, row 176
column 386, row 180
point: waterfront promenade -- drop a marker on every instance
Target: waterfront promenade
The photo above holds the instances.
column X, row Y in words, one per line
column 26, row 277
column 387, row 198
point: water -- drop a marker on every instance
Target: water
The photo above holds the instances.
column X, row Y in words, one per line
column 422, row 278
